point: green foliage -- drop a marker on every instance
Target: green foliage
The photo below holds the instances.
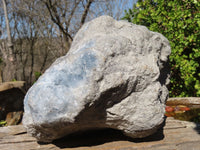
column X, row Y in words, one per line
column 179, row 21
column 37, row 75
column 2, row 123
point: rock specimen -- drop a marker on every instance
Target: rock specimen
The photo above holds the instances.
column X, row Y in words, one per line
column 114, row 76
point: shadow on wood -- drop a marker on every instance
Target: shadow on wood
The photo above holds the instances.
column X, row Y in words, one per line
column 99, row 137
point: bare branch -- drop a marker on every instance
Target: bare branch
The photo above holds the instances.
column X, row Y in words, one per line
column 72, row 13
column 56, row 19
column 87, row 7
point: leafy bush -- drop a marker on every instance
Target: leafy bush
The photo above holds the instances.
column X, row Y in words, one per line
column 2, row 123
column 179, row 21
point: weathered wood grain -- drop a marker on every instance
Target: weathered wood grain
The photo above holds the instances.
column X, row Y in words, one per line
column 179, row 135
column 9, row 85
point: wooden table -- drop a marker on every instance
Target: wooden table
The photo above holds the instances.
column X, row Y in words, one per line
column 176, row 135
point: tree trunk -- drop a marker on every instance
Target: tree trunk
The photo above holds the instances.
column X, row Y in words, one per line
column 8, row 51
column 10, row 43
column 84, row 15
column 0, row 76
column 67, row 42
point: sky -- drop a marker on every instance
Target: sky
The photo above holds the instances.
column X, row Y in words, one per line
column 117, row 13
column 129, row 5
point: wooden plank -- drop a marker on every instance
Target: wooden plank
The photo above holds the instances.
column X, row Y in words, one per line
column 175, row 135
column 183, row 101
column 9, row 85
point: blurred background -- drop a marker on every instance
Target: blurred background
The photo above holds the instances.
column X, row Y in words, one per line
column 34, row 33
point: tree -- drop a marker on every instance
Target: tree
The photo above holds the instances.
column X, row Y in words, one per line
column 179, row 21
column 36, row 45
column 10, row 43
column 59, row 16
column 113, row 8
column 8, row 51
column 42, row 30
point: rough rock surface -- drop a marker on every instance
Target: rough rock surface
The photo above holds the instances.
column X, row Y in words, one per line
column 114, row 76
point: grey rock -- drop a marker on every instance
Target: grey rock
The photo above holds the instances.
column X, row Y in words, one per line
column 114, row 76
